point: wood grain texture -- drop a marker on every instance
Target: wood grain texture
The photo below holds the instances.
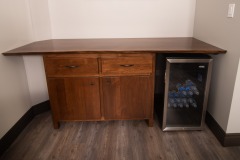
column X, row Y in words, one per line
column 74, row 99
column 126, row 97
column 110, row 92
column 82, row 46
column 127, row 65
column 114, row 140
column 60, row 67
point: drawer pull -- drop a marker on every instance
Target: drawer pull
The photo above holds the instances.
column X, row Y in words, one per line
column 72, row 66
column 127, row 65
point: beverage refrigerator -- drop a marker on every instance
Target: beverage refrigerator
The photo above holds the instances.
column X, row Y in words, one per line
column 185, row 92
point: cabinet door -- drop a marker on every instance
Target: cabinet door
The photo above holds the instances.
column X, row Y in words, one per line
column 126, row 97
column 74, row 98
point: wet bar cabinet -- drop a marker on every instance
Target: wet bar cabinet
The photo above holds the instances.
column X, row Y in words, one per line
column 114, row 79
column 187, row 80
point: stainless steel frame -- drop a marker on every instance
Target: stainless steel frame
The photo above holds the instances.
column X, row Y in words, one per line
column 207, row 85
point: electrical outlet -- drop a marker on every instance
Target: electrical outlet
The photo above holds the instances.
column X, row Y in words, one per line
column 231, row 8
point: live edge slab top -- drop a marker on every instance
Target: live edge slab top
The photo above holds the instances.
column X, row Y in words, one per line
column 105, row 79
column 156, row 45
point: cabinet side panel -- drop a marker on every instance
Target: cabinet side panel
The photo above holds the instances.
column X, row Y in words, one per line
column 56, row 89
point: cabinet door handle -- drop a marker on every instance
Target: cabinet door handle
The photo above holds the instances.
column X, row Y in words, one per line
column 71, row 66
column 126, row 65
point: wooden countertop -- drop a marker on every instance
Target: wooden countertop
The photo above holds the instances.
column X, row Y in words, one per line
column 156, row 45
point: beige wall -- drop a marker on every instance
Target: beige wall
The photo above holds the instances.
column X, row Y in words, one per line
column 15, row 30
column 121, row 18
column 36, row 80
column 213, row 26
column 233, row 122
column 39, row 11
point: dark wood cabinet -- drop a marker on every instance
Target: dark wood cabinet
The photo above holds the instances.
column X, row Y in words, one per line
column 74, row 99
column 100, row 86
column 127, row 97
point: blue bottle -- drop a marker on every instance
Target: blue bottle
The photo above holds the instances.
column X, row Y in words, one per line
column 180, row 105
column 185, row 102
column 172, row 103
column 192, row 102
column 195, row 90
column 181, row 89
column 191, row 88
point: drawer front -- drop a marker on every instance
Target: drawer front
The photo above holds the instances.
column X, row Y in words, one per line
column 127, row 65
column 70, row 66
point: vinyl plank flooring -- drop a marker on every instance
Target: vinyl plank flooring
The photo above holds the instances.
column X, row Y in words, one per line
column 114, row 140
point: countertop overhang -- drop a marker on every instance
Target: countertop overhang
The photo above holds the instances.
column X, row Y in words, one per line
column 182, row 45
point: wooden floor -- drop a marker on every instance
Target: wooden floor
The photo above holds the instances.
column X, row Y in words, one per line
column 114, row 140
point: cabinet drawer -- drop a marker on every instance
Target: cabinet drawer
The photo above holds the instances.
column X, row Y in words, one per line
column 127, row 65
column 70, row 66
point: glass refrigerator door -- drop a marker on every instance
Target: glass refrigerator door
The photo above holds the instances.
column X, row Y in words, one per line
column 185, row 96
